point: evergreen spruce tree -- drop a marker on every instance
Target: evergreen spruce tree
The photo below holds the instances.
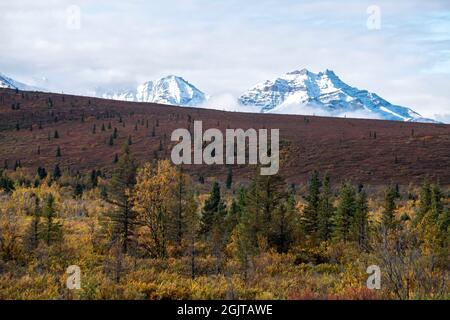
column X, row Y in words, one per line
column 121, row 183
column 436, row 205
column 233, row 216
column 56, row 172
column 310, row 213
column 325, row 211
column 345, row 212
column 94, row 178
column 6, row 183
column 251, row 226
column 273, row 194
column 212, row 208
column 33, row 232
column 361, row 223
column 388, row 215
column 229, row 181
column 263, row 202
column 78, row 191
column 42, row 173
column 444, row 228
column 213, row 225
column 424, row 201
column 283, row 224
column 52, row 230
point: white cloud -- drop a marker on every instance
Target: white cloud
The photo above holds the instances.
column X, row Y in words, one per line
column 445, row 118
column 295, row 108
column 227, row 102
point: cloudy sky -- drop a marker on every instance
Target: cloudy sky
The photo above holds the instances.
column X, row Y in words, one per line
column 225, row 47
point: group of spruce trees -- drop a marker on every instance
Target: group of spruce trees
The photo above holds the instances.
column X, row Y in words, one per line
column 44, row 225
column 265, row 213
column 322, row 221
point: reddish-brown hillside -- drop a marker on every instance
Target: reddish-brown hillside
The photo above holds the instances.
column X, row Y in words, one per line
column 367, row 151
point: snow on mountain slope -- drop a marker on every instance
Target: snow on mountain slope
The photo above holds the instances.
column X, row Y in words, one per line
column 171, row 90
column 123, row 95
column 144, row 92
column 323, row 93
column 175, row 90
column 6, row 82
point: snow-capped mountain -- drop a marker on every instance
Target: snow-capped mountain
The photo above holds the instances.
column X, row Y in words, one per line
column 302, row 91
column 297, row 92
column 6, row 82
column 171, row 90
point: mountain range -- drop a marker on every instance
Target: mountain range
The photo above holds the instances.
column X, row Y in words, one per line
column 171, row 90
column 323, row 93
column 296, row 92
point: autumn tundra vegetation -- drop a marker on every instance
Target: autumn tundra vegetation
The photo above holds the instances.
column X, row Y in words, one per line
column 148, row 232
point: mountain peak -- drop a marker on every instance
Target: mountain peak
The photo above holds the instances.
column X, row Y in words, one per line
column 170, row 89
column 329, row 73
column 174, row 80
column 171, row 77
column 301, row 91
column 299, row 72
